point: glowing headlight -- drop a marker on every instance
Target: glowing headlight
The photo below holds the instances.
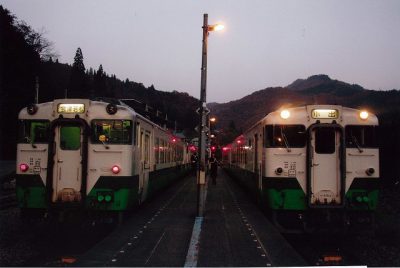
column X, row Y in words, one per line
column 364, row 115
column 285, row 114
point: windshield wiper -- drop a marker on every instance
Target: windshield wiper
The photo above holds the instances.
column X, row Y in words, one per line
column 357, row 144
column 31, row 142
column 285, row 140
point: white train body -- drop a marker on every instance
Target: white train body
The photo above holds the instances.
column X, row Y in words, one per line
column 92, row 154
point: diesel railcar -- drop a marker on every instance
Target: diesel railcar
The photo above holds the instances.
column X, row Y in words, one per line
column 93, row 156
column 311, row 167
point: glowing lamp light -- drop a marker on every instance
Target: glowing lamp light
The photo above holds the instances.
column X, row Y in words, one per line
column 174, row 140
column 23, row 167
column 285, row 114
column 115, row 169
column 216, row 27
column 225, row 149
column 364, row 115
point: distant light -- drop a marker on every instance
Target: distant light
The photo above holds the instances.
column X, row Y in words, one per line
column 225, row 149
column 364, row 115
column 285, row 114
column 213, row 119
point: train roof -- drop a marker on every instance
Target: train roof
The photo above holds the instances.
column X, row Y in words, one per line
column 310, row 114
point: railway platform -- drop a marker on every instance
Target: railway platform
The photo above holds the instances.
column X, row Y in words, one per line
column 166, row 232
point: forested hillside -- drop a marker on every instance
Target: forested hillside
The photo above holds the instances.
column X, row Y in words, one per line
column 28, row 60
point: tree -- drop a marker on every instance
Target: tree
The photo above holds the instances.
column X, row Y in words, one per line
column 100, row 87
column 78, row 87
column 37, row 41
column 19, row 65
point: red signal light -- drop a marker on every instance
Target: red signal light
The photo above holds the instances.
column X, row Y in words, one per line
column 213, row 148
column 115, row 169
column 23, row 167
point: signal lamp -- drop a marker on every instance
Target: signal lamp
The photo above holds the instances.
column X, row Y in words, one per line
column 23, row 167
column 285, row 114
column 115, row 169
column 364, row 115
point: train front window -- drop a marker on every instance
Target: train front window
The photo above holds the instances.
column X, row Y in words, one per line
column 361, row 136
column 112, row 131
column 33, row 131
column 325, row 139
column 285, row 136
column 70, row 138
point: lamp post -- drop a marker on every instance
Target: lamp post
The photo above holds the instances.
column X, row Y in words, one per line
column 203, row 111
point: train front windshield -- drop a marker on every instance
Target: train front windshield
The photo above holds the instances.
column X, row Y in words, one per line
column 277, row 136
column 33, row 131
column 361, row 136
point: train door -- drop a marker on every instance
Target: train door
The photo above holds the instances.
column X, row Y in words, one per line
column 68, row 159
column 326, row 160
column 144, row 141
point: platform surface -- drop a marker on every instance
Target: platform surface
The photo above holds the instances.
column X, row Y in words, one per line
column 233, row 232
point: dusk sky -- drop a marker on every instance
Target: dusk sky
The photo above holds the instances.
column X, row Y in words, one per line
column 264, row 43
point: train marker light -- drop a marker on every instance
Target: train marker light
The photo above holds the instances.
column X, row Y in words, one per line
column 364, row 115
column 108, row 198
column 115, row 169
column 100, row 198
column 365, row 199
column 370, row 171
column 285, row 114
column 23, row 167
column 278, row 171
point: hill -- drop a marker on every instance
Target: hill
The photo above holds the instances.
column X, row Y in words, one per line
column 317, row 89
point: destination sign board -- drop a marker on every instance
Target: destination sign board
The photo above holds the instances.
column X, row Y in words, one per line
column 71, row 108
column 325, row 114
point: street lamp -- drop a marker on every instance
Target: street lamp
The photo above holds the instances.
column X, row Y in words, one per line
column 203, row 111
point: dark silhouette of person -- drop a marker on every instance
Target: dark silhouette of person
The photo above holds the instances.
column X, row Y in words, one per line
column 193, row 160
column 213, row 168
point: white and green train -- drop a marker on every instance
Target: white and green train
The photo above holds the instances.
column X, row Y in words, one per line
column 80, row 154
column 310, row 167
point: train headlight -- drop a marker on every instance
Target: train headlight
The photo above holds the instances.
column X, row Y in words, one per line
column 23, row 167
column 370, row 171
column 285, row 114
column 115, row 169
column 278, row 171
column 364, row 115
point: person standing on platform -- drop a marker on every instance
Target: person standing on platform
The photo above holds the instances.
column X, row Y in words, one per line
column 213, row 169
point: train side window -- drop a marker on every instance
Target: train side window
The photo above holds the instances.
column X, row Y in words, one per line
column 325, row 140
column 33, row 131
column 361, row 136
